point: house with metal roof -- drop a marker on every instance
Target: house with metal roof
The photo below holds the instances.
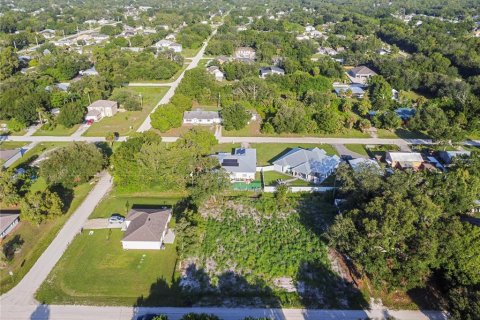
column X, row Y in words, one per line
column 201, row 117
column 241, row 165
column 341, row 90
column 361, row 163
column 268, row 71
column 404, row 160
column 8, row 221
column 312, row 165
column 147, row 228
column 448, row 156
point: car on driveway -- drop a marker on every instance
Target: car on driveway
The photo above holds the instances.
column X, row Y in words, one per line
column 116, row 218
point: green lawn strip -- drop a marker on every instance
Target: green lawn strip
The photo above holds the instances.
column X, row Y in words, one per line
column 127, row 122
column 8, row 145
column 36, row 240
column 33, row 153
column 266, row 152
column 250, row 131
column 59, row 130
column 118, row 203
column 96, row 270
column 189, row 52
column 358, row 148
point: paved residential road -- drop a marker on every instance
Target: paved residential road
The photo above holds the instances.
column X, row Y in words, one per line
column 145, row 126
column 55, row 312
column 22, row 294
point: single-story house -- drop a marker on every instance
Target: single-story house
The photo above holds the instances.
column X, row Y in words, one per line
column 146, row 228
column 245, row 52
column 342, row 89
column 241, row 165
column 359, row 163
column 404, row 160
column 62, row 86
column 313, row 165
column 8, row 221
column 448, row 156
column 327, row 51
column 216, row 72
column 360, row 74
column 48, row 33
column 168, row 45
column 265, row 72
column 101, row 108
column 201, row 117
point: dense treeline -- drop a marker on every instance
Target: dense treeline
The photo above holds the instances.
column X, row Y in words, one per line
column 405, row 228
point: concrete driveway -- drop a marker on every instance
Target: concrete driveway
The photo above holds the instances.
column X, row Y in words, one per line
column 101, row 224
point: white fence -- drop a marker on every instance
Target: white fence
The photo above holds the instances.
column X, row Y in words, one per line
column 299, row 189
column 266, row 168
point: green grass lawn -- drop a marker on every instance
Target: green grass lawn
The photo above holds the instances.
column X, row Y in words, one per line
column 253, row 130
column 266, row 152
column 8, row 145
column 96, row 270
column 33, row 153
column 127, row 122
column 358, row 148
column 189, row 53
column 36, row 238
column 117, row 202
column 270, row 177
column 59, row 130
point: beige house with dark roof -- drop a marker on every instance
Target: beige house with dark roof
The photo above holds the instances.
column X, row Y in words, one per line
column 146, row 228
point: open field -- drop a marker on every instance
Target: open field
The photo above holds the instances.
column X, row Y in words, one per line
column 59, row 130
column 35, row 238
column 96, row 270
column 127, row 122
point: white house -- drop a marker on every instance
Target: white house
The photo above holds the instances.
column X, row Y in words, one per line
column 245, row 53
column 265, row 72
column 404, row 160
column 241, row 165
column 201, row 117
column 313, row 165
column 101, row 108
column 146, row 228
column 168, row 45
column 360, row 74
column 215, row 71
column 8, row 221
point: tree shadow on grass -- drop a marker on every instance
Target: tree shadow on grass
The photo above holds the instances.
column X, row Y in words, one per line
column 281, row 154
column 11, row 246
column 66, row 195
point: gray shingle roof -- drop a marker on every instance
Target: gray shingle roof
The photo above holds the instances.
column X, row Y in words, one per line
column 6, row 219
column 146, row 224
column 362, row 70
column 102, row 104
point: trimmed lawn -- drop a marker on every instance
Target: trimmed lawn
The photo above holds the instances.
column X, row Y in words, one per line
column 225, row 147
column 401, row 133
column 178, row 132
column 59, row 130
column 254, row 130
column 358, row 148
column 271, row 177
column 8, row 145
column 36, row 238
column 117, row 203
column 127, row 122
column 268, row 152
column 189, row 53
column 96, row 270
column 33, row 153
